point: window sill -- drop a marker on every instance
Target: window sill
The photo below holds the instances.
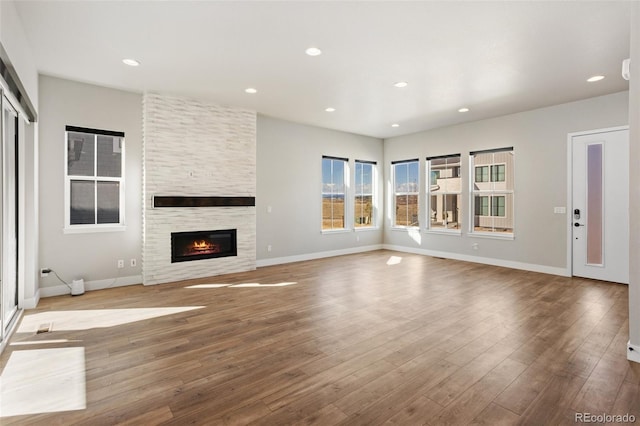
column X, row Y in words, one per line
column 492, row 236
column 87, row 229
column 405, row 228
column 454, row 232
column 366, row 228
column 335, row 231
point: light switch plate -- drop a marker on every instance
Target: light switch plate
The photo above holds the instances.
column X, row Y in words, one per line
column 560, row 210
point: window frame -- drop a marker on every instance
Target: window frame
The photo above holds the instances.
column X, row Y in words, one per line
column 429, row 227
column 345, row 177
column 492, row 194
column 374, row 167
column 395, row 194
column 95, row 178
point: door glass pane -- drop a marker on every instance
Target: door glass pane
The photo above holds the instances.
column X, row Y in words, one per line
column 80, row 158
column 594, row 204
column 82, row 202
column 108, row 202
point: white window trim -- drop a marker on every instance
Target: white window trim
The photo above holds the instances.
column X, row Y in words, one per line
column 445, row 231
column 374, row 198
column 84, row 228
column 482, row 234
column 394, row 194
column 346, row 194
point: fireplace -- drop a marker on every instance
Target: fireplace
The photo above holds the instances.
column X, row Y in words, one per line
column 186, row 246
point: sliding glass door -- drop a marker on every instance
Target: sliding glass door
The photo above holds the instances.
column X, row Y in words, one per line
column 9, row 217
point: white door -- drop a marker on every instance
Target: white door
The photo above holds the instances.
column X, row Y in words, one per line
column 600, row 205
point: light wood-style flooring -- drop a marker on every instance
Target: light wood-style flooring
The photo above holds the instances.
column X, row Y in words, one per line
column 374, row 338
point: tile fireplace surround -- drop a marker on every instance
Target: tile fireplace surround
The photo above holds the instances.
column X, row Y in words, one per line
column 195, row 148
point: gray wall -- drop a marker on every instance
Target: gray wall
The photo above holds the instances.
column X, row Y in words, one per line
column 539, row 138
column 92, row 256
column 289, row 176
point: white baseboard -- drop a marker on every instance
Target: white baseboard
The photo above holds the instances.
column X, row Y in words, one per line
column 484, row 260
column 31, row 302
column 60, row 290
column 633, row 352
column 317, row 255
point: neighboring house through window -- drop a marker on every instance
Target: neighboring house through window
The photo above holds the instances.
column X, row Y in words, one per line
column 492, row 191
column 406, row 187
column 334, row 176
column 94, row 179
column 364, row 199
column 445, row 198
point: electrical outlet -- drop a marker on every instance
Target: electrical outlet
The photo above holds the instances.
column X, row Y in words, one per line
column 44, row 272
column 134, row 262
column 475, row 246
column 120, row 264
column 269, row 247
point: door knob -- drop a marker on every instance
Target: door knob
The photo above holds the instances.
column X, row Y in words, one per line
column 577, row 224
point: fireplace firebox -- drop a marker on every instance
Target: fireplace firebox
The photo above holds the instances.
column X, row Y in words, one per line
column 186, row 246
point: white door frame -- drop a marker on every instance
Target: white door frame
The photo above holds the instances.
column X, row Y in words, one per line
column 569, row 218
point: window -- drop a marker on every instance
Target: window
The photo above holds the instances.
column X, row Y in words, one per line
column 94, row 191
column 492, row 191
column 497, row 173
column 406, row 186
column 497, row 205
column 364, row 194
column 445, row 189
column 333, row 191
column 482, row 173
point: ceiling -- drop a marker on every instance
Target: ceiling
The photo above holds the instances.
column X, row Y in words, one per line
column 495, row 58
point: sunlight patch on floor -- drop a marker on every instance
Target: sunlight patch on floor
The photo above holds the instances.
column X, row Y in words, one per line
column 43, row 381
column 394, row 260
column 44, row 342
column 208, row 286
column 243, row 285
column 263, row 285
column 95, row 318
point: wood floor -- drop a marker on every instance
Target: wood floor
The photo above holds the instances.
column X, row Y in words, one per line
column 373, row 338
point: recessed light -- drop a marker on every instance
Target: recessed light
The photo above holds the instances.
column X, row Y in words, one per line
column 465, row 109
column 250, row 90
column 131, row 62
column 395, row 125
column 329, row 109
column 595, row 78
column 401, row 84
column 313, row 51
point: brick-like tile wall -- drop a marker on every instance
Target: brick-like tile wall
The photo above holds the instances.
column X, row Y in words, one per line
column 193, row 147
